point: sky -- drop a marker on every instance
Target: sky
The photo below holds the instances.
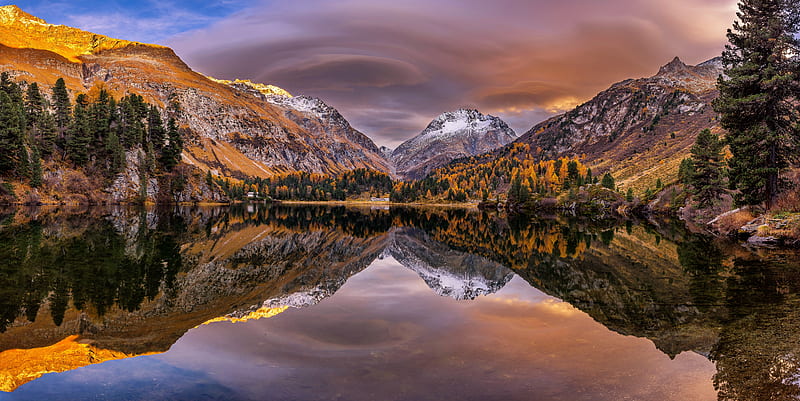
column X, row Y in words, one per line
column 391, row 66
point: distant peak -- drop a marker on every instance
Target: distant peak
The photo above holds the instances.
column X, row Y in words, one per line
column 673, row 66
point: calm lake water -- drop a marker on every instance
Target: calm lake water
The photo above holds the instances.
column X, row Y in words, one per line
column 332, row 303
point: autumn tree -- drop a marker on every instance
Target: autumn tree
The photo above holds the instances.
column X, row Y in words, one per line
column 758, row 96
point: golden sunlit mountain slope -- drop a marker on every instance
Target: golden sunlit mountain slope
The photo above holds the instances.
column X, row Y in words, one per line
column 235, row 129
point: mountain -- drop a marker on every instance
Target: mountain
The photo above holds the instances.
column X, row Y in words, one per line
column 638, row 129
column 452, row 135
column 234, row 130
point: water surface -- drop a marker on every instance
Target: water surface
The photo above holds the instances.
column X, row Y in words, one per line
column 289, row 303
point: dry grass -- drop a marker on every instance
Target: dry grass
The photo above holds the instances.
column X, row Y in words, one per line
column 734, row 221
column 788, row 201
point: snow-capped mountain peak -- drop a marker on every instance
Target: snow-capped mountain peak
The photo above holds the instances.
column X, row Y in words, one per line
column 460, row 133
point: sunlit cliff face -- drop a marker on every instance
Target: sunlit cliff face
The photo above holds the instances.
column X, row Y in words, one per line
column 22, row 30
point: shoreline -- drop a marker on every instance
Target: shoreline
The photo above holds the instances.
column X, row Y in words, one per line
column 215, row 204
column 374, row 203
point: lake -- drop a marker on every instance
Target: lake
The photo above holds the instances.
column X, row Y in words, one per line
column 279, row 302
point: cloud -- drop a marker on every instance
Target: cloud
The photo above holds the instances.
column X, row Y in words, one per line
column 337, row 72
column 390, row 66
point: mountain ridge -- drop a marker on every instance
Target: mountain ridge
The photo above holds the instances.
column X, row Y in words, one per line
column 637, row 129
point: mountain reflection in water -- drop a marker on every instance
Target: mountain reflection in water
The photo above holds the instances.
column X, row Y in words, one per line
column 103, row 284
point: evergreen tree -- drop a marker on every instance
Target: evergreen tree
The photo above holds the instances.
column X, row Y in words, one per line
column 100, row 115
column 608, row 181
column 758, row 96
column 80, row 132
column 131, row 115
column 116, row 154
column 63, row 109
column 35, row 103
column 686, row 171
column 171, row 152
column 11, row 133
column 707, row 161
column 40, row 123
column 629, row 195
column 156, row 135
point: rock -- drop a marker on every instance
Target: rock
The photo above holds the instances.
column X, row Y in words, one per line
column 764, row 241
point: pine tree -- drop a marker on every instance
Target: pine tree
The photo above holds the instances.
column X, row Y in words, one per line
column 758, row 95
column 608, row 181
column 686, row 171
column 171, row 152
column 116, row 154
column 131, row 127
column 11, row 132
column 80, row 132
column 707, row 161
column 35, row 103
column 63, row 108
column 156, row 135
column 100, row 115
column 629, row 195
column 40, row 123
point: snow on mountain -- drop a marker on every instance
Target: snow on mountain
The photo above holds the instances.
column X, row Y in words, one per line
column 460, row 133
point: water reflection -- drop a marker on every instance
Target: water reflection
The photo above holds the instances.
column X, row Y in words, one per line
column 133, row 281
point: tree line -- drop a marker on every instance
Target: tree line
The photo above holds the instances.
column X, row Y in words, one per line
column 306, row 186
column 91, row 132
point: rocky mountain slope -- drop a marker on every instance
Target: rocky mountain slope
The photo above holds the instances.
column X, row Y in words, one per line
column 639, row 129
column 452, row 135
column 235, row 130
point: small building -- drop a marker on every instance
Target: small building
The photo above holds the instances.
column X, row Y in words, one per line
column 373, row 199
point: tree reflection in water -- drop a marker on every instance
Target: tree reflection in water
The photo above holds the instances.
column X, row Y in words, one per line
column 684, row 292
